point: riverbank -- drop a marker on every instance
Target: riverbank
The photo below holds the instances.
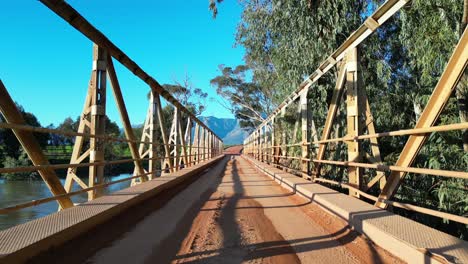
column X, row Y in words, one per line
column 109, row 170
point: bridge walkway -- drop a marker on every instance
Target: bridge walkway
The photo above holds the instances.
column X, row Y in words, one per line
column 230, row 214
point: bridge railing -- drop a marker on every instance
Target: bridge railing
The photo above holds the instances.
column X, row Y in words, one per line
column 264, row 143
column 162, row 148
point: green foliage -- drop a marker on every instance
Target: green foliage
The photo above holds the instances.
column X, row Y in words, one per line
column 193, row 98
column 277, row 57
column 68, row 125
column 12, row 154
column 248, row 101
column 11, row 146
column 430, row 29
column 20, row 161
column 213, row 6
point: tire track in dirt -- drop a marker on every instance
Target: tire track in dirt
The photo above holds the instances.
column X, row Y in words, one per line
column 213, row 239
column 251, row 219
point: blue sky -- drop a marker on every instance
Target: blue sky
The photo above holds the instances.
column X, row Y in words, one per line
column 46, row 64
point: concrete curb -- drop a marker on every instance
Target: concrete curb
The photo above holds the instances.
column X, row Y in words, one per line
column 403, row 237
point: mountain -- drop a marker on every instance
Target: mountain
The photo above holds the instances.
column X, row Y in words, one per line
column 236, row 136
column 228, row 129
column 221, row 126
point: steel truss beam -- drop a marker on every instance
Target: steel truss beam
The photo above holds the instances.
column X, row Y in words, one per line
column 93, row 120
column 136, row 155
column 29, row 143
column 439, row 98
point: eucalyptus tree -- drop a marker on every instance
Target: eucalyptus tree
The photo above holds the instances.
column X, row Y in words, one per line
column 247, row 100
column 286, row 40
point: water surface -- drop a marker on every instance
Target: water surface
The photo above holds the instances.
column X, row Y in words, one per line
column 16, row 192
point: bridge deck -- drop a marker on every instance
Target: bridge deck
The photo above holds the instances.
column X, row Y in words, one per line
column 231, row 214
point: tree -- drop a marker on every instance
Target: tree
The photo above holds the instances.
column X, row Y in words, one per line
column 21, row 161
column 193, row 98
column 248, row 101
column 12, row 147
column 213, row 6
column 68, row 125
column 278, row 58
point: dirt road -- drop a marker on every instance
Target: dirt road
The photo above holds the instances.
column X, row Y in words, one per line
column 230, row 213
column 233, row 214
column 251, row 219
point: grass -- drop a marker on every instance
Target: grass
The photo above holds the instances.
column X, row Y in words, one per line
column 59, row 152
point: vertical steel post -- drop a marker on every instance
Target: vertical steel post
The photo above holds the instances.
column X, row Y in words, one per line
column 304, row 132
column 354, row 122
column 98, row 119
column 273, row 147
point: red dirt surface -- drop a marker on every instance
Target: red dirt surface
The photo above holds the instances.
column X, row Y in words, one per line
column 234, row 150
column 251, row 219
column 215, row 239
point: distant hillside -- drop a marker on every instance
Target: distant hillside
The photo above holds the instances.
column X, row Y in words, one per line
column 221, row 126
column 235, row 136
column 226, row 128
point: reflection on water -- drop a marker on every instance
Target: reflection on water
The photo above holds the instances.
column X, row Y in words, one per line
column 15, row 192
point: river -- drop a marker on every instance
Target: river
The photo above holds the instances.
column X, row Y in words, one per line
column 15, row 192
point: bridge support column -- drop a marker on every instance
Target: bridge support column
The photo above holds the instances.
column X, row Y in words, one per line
column 214, row 147
column 148, row 147
column 98, row 119
column 209, row 137
column 27, row 140
column 261, row 139
column 211, row 145
column 272, row 150
column 202, row 144
column 254, row 144
column 305, row 134
column 331, row 114
column 93, row 120
column 266, row 143
column 284, row 142
column 205, row 144
column 354, row 112
column 176, row 140
column 208, row 147
column 188, row 141
column 196, row 144
column 157, row 113
column 183, row 146
column 259, row 144
column 153, row 148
